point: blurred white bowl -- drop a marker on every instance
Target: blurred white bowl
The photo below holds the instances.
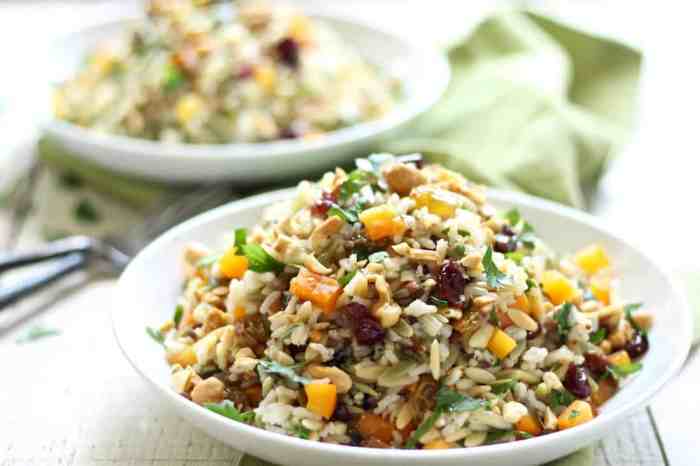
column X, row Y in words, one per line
column 149, row 288
column 423, row 71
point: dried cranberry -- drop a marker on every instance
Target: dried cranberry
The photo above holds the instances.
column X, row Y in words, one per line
column 370, row 403
column 356, row 311
column 508, row 231
column 576, row 381
column 532, row 334
column 451, row 283
column 293, row 349
column 341, row 355
column 288, row 50
column 637, row 346
column 504, row 244
column 245, row 72
column 342, row 413
column 369, row 332
column 322, row 205
column 596, row 363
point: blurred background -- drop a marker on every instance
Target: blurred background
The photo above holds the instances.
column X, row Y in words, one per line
column 649, row 194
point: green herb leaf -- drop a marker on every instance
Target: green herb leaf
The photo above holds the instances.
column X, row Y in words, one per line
column 378, row 257
column 227, row 409
column 423, row 429
column 177, row 316
column 272, row 367
column 346, row 215
column 464, row 233
column 494, row 277
column 523, row 434
column 530, row 284
column 241, row 237
column 457, row 252
column 574, row 414
column 438, row 302
column 70, row 180
column 494, row 436
column 301, row 432
column 598, row 336
column 260, row 260
column 559, row 398
column 357, row 179
column 513, row 216
column 85, row 212
column 629, row 309
column 156, row 335
column 173, row 78
column 36, row 333
column 561, row 317
column 515, row 256
column 208, row 260
column 502, row 386
column 623, row 370
column 345, row 279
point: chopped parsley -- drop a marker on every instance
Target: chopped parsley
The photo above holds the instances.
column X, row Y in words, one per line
column 173, row 78
column 598, row 336
column 260, row 260
column 530, row 284
column 70, row 180
column 560, row 398
column 36, row 333
column 494, row 277
column 357, row 179
column 515, row 256
column 86, row 212
column 378, row 257
column 156, row 335
column 447, row 401
column 623, row 370
column 561, row 317
column 227, row 409
column 513, row 216
column 629, row 309
column 438, row 302
column 301, row 432
column 522, row 434
column 457, row 252
column 463, row 233
column 493, row 318
column 240, row 237
column 177, row 315
column 502, row 386
column 345, row 279
column 272, row 367
column 347, row 215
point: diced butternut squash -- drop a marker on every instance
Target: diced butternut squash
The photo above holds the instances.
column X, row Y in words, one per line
column 300, row 28
column 575, row 414
column 522, row 302
column 619, row 358
column 501, row 344
column 438, row 444
column 320, row 290
column 600, row 287
column 529, row 424
column 185, row 357
column 373, row 426
column 315, row 335
column 437, row 201
column 187, row 319
column 232, row 265
column 239, row 313
column 322, row 398
column 266, row 77
column 606, row 389
column 557, row 287
column 592, row 259
column 102, row 62
column 382, row 222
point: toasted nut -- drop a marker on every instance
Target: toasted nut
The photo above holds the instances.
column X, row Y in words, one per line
column 341, row 380
column 522, row 320
column 617, row 339
column 644, row 320
column 210, row 390
column 322, row 233
column 402, row 178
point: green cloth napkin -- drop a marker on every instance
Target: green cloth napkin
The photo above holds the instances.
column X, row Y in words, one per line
column 533, row 105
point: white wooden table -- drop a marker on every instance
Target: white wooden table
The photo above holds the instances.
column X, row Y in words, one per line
column 73, row 399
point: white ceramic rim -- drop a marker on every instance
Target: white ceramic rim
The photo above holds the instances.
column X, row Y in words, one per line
column 600, row 423
column 405, row 111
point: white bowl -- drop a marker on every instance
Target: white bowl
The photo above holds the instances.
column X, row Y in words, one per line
column 423, row 71
column 149, row 287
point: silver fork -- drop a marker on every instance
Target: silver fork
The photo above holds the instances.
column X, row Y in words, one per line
column 76, row 252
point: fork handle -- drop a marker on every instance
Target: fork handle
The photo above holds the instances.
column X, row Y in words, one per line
column 52, row 250
column 64, row 266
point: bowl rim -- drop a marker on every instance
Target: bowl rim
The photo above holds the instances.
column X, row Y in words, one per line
column 405, row 111
column 587, row 430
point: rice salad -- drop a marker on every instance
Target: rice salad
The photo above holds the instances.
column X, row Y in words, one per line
column 252, row 72
column 393, row 307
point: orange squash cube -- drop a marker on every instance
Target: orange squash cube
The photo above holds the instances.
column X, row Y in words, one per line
column 619, row 358
column 373, row 426
column 320, row 290
column 529, row 424
column 600, row 287
column 606, row 389
column 592, row 259
column 322, row 398
column 437, row 201
column 239, row 313
column 575, row 414
column 557, row 287
column 522, row 303
column 382, row 222
column 232, row 265
column 501, row 344
column 185, row 357
column 438, row 444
